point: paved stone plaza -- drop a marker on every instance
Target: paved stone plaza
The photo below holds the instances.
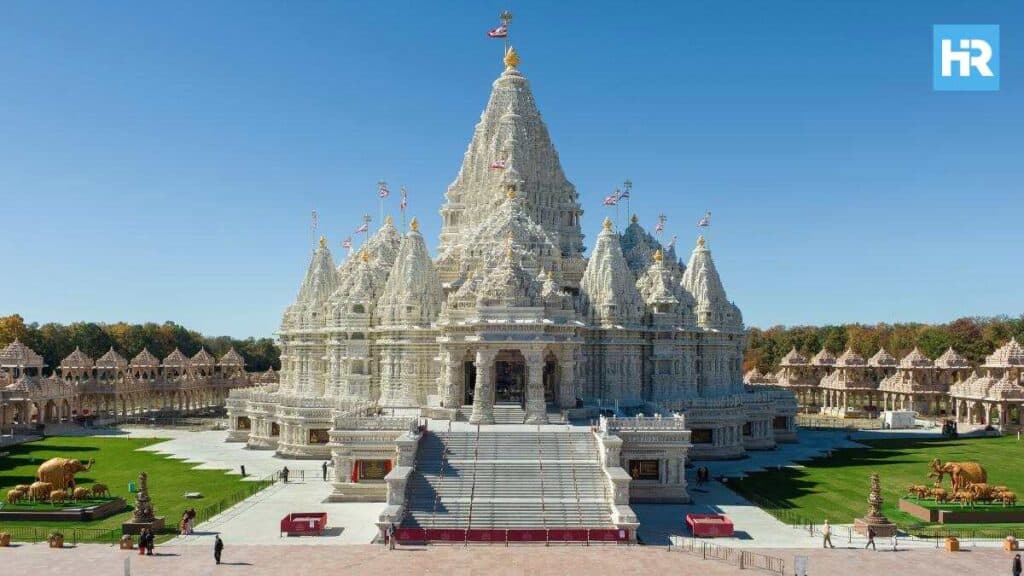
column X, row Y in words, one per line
column 490, row 560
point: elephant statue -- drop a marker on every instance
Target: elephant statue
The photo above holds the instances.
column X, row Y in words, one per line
column 57, row 496
column 22, row 487
column 100, row 490
column 961, row 474
column 14, row 496
column 80, row 493
column 40, row 491
column 60, row 472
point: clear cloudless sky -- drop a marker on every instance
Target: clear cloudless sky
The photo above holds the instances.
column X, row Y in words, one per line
column 160, row 160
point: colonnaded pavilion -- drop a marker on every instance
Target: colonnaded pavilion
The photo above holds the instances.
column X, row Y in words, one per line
column 511, row 344
column 948, row 386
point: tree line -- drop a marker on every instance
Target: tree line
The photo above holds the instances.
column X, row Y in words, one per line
column 974, row 338
column 55, row 341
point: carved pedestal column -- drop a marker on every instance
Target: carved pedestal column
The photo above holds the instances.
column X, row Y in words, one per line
column 536, row 413
column 567, row 385
column 483, row 392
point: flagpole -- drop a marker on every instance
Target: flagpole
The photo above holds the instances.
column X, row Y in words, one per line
column 506, row 19
column 314, row 222
column 402, row 206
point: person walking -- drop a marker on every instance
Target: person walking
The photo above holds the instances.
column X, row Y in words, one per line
column 1016, row 567
column 871, row 539
column 391, row 537
column 826, row 535
column 324, row 468
column 218, row 547
column 143, row 542
column 284, row 474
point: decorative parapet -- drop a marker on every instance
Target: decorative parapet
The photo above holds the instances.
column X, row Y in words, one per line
column 611, row 425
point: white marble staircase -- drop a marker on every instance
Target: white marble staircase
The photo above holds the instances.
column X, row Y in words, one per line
column 550, row 478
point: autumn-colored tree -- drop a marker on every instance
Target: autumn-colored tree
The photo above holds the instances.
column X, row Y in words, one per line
column 55, row 341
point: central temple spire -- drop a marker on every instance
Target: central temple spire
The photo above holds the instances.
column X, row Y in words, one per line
column 511, row 147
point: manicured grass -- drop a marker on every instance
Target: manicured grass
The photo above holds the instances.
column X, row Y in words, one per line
column 836, row 488
column 118, row 461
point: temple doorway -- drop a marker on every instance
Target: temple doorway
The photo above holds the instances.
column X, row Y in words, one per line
column 469, row 377
column 510, row 378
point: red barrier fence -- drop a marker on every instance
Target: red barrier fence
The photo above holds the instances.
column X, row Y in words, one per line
column 503, row 536
column 302, row 523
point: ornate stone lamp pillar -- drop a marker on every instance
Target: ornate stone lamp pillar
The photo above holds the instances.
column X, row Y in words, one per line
column 483, row 392
column 536, row 413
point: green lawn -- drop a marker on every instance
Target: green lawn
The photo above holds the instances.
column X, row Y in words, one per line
column 836, row 488
column 117, row 463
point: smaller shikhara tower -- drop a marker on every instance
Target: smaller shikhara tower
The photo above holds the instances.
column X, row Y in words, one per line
column 510, row 318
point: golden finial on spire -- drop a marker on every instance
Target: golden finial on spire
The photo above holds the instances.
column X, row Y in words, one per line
column 607, row 223
column 388, row 221
column 323, row 241
column 511, row 192
column 511, row 58
column 658, row 255
column 364, row 255
column 414, row 225
column 700, row 240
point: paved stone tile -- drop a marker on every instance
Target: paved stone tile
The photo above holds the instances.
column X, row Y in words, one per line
column 87, row 560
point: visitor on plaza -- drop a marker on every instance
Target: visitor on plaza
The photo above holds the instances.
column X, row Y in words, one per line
column 826, row 535
column 324, row 468
column 1015, row 568
column 284, row 474
column 218, row 547
column 871, row 539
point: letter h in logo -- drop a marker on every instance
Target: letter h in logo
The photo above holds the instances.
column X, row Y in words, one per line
column 966, row 57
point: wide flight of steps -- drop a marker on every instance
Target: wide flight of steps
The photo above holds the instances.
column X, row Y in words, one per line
column 503, row 479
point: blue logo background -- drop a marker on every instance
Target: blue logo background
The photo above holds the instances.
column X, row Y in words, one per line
column 955, row 33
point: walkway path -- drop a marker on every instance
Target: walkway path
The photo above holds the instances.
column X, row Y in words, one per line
column 88, row 560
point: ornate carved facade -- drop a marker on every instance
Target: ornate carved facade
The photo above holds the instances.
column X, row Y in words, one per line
column 511, row 313
column 111, row 386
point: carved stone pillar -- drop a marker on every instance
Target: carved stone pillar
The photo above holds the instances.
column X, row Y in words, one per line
column 567, row 384
column 483, row 392
column 536, row 412
column 451, row 396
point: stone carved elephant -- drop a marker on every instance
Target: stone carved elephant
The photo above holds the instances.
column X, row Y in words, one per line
column 81, row 493
column 40, row 491
column 100, row 490
column 57, row 496
column 13, row 496
column 60, row 472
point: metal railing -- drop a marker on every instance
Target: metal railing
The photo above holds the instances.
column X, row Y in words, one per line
column 740, row 558
column 71, row 535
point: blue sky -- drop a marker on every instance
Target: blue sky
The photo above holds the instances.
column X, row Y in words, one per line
column 159, row 161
